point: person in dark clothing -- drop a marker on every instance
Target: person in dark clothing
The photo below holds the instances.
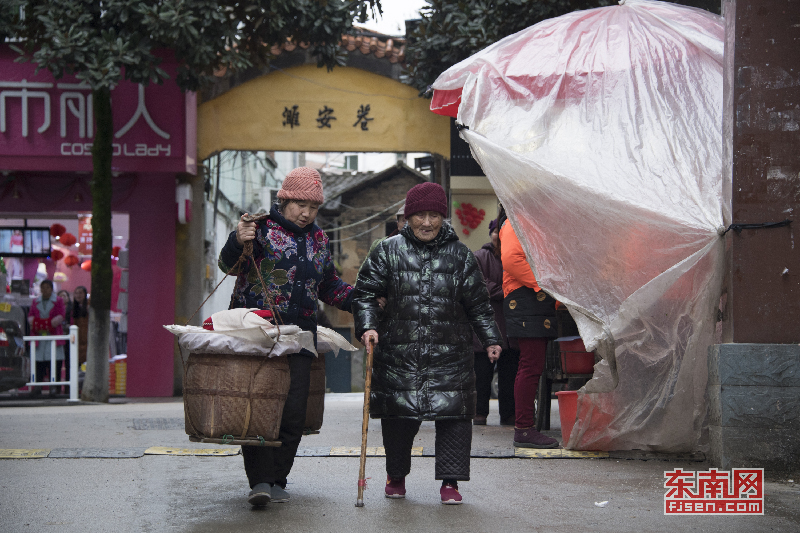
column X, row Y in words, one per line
column 80, row 317
column 423, row 361
column 488, row 258
column 292, row 255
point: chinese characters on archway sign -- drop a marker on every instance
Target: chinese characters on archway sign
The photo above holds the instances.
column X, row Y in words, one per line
column 739, row 491
column 291, row 117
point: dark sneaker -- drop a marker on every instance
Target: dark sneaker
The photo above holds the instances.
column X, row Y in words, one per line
column 479, row 420
column 279, row 494
column 530, row 438
column 449, row 494
column 260, row 495
column 395, row 488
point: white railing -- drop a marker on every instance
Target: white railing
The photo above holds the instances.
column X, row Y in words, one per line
column 73, row 361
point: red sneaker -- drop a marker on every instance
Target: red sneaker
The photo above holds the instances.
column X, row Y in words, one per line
column 450, row 495
column 395, row 488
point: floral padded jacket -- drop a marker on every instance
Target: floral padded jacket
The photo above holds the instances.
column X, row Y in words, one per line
column 296, row 266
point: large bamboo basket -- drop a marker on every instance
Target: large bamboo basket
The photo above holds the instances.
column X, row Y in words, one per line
column 235, row 399
column 316, row 396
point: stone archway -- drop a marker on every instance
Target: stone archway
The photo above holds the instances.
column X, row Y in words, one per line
column 305, row 109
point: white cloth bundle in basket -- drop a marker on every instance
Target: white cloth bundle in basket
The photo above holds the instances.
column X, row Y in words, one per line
column 242, row 331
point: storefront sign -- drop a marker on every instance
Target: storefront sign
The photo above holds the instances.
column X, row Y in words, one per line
column 85, row 234
column 48, row 124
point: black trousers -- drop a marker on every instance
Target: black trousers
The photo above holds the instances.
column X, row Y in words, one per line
column 453, row 447
column 506, row 374
column 266, row 464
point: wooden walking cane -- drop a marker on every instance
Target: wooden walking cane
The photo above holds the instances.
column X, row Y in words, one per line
column 362, row 482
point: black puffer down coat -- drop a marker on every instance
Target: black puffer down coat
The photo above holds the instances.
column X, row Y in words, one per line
column 423, row 364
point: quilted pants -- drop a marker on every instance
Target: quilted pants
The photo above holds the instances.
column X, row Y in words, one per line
column 453, row 447
column 272, row 465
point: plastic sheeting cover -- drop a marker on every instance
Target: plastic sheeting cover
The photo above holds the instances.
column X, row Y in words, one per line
column 601, row 133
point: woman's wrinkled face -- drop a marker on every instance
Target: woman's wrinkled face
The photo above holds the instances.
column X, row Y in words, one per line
column 426, row 225
column 301, row 212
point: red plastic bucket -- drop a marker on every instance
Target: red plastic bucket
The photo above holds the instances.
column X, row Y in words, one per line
column 567, row 411
column 574, row 357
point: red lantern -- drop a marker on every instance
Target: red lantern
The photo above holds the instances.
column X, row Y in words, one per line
column 115, row 251
column 87, row 265
column 67, row 239
column 57, row 230
column 71, row 260
column 56, row 255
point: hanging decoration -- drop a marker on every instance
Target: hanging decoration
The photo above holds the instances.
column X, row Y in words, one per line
column 87, row 265
column 57, row 230
column 56, row 255
column 115, row 252
column 71, row 260
column 67, row 239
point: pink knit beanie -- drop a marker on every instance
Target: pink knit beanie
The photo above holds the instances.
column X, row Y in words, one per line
column 426, row 197
column 302, row 183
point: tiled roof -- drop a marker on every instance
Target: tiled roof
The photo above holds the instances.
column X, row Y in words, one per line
column 393, row 49
column 337, row 184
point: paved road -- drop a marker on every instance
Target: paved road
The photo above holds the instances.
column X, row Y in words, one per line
column 135, row 489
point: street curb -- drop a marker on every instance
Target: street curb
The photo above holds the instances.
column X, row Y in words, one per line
column 339, row 451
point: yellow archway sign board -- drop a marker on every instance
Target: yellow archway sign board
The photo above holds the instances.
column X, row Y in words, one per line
column 308, row 109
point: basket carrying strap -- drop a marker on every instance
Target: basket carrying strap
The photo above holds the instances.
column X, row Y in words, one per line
column 247, row 253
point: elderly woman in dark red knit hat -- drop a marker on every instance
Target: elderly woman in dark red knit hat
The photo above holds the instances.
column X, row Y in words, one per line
column 286, row 240
column 423, row 363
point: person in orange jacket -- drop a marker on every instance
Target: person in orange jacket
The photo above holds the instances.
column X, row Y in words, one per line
column 530, row 315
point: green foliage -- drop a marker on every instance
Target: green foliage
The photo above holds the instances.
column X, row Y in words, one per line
column 102, row 42
column 9, row 18
column 452, row 30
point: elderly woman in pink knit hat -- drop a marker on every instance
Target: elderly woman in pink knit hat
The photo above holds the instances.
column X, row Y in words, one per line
column 286, row 240
column 423, row 366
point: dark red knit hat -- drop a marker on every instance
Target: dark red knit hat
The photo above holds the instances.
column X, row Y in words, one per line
column 426, row 197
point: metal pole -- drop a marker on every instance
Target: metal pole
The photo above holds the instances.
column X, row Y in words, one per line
column 52, row 362
column 362, row 482
column 32, row 357
column 73, row 364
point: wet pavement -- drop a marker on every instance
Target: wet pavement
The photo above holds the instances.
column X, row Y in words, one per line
column 129, row 466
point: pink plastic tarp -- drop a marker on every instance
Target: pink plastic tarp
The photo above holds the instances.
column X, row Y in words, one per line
column 601, row 133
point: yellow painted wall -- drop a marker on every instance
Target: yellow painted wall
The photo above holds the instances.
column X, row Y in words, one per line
column 251, row 116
